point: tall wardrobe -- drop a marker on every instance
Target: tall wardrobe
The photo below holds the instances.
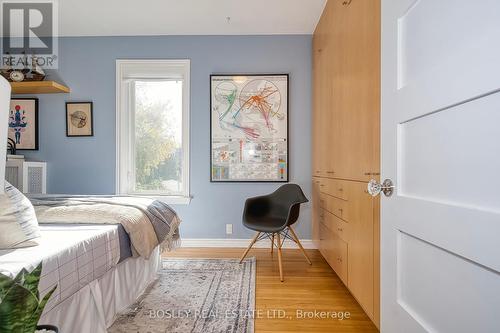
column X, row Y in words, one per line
column 346, row 145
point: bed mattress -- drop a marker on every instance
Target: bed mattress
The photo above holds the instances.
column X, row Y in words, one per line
column 73, row 256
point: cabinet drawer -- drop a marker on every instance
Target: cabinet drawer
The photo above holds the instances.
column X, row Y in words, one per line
column 334, row 250
column 326, row 202
column 328, row 221
column 325, row 242
column 340, row 208
column 340, row 257
column 319, row 173
column 335, row 206
column 322, row 216
column 323, row 201
column 337, row 226
column 342, row 228
column 334, row 187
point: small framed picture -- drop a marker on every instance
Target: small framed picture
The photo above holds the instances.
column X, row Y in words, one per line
column 79, row 119
column 23, row 123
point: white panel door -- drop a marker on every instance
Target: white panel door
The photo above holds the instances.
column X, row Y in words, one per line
column 440, row 240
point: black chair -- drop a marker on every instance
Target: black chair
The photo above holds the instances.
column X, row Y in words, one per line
column 273, row 215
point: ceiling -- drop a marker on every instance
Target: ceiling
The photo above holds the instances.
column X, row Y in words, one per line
column 187, row 17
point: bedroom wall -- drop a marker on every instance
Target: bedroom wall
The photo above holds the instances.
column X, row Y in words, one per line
column 87, row 165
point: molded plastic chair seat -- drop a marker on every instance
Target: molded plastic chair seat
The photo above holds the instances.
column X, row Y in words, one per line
column 275, row 211
column 270, row 224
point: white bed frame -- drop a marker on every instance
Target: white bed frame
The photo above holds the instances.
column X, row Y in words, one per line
column 94, row 308
column 4, row 121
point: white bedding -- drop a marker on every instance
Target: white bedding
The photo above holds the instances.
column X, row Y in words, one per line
column 73, row 256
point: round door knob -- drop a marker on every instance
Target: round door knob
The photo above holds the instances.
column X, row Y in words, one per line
column 374, row 187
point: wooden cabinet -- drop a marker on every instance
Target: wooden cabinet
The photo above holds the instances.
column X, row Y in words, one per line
column 347, row 235
column 346, row 95
column 322, row 100
column 346, row 136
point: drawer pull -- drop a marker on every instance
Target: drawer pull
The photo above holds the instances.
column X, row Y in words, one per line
column 340, row 229
column 341, row 211
column 330, row 172
column 341, row 189
column 322, row 185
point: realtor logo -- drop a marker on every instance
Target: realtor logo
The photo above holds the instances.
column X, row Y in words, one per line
column 29, row 30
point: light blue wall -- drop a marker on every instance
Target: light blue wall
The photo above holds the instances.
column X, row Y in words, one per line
column 87, row 165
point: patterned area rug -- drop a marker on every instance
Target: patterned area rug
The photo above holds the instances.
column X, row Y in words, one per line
column 195, row 295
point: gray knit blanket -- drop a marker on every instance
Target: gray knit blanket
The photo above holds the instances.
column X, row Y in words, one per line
column 148, row 222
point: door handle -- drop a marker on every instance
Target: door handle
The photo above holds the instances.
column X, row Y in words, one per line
column 374, row 188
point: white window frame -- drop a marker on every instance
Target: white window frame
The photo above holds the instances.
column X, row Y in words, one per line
column 160, row 69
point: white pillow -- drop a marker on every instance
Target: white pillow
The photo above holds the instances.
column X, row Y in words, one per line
column 18, row 223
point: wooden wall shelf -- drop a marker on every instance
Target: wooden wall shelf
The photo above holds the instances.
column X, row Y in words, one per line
column 38, row 87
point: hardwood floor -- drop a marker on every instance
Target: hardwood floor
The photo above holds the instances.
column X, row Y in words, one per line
column 306, row 288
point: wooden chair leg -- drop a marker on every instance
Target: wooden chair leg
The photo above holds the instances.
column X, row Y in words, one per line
column 250, row 246
column 272, row 243
column 279, row 256
column 300, row 245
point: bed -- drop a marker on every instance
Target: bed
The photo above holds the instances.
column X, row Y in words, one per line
column 100, row 266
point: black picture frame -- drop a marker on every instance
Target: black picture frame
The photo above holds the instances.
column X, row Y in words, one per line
column 36, row 147
column 287, row 179
column 91, row 107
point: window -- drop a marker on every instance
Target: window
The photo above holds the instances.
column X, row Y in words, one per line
column 153, row 128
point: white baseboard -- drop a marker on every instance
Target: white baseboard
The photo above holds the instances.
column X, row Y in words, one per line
column 232, row 242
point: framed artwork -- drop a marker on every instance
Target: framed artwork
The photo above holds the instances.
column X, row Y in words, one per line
column 23, row 123
column 79, row 119
column 249, row 128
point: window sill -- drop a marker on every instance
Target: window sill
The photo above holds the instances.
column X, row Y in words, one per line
column 171, row 199
column 168, row 199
